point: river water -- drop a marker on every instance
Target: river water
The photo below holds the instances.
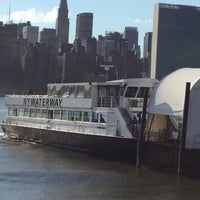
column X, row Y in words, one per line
column 33, row 172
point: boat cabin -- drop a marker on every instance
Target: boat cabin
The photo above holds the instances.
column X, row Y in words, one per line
column 123, row 93
column 86, row 102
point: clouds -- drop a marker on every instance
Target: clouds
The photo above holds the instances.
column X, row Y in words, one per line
column 32, row 15
column 50, row 17
column 146, row 21
column 139, row 21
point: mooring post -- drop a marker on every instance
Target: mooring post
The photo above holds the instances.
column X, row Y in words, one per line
column 180, row 169
column 141, row 134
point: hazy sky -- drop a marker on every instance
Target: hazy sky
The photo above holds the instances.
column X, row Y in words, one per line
column 109, row 15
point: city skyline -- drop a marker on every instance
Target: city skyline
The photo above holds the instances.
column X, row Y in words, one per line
column 125, row 13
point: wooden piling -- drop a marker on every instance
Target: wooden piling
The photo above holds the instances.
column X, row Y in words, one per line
column 180, row 169
column 141, row 134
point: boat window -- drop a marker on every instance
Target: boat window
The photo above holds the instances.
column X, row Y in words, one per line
column 71, row 115
column 57, row 114
column 15, row 112
column 72, row 91
column 101, row 118
column 12, row 111
column 122, row 89
column 21, row 112
column 38, row 113
column 141, row 92
column 50, row 114
column 58, row 90
column 78, row 116
column 94, row 117
column 111, row 91
column 86, row 116
column 26, row 112
column 102, row 92
column 80, row 91
column 87, row 91
column 65, row 91
column 44, row 114
column 33, row 113
column 55, row 90
column 84, row 91
column 52, row 90
column 64, row 115
column 131, row 91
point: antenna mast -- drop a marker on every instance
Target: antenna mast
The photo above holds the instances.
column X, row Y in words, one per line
column 9, row 21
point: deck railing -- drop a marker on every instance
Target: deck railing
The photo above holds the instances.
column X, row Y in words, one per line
column 107, row 102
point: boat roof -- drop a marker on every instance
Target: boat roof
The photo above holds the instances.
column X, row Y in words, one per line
column 113, row 82
column 133, row 80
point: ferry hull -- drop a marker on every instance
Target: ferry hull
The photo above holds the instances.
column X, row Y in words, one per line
column 113, row 147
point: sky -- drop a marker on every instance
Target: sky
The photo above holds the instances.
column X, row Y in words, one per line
column 108, row 15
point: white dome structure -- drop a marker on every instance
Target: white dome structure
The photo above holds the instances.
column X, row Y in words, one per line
column 193, row 127
column 169, row 94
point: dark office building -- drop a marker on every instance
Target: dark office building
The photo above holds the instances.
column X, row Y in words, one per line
column 62, row 23
column 48, row 37
column 147, row 45
column 84, row 25
column 11, row 29
column 131, row 34
column 176, row 39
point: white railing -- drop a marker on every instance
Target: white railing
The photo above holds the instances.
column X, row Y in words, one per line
column 68, row 126
column 107, row 102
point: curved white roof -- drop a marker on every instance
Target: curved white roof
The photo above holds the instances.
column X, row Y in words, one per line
column 169, row 94
column 193, row 128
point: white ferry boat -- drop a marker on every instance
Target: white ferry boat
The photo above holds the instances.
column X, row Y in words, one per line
column 103, row 117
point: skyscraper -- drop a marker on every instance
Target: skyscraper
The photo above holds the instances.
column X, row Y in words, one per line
column 147, row 45
column 48, row 37
column 176, row 39
column 31, row 33
column 62, row 23
column 131, row 34
column 84, row 25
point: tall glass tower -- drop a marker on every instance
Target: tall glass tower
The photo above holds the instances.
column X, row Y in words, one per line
column 175, row 40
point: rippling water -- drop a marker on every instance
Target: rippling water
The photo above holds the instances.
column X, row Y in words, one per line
column 32, row 172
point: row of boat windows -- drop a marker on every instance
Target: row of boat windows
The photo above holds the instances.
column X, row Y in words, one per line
column 137, row 91
column 84, row 91
column 57, row 114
